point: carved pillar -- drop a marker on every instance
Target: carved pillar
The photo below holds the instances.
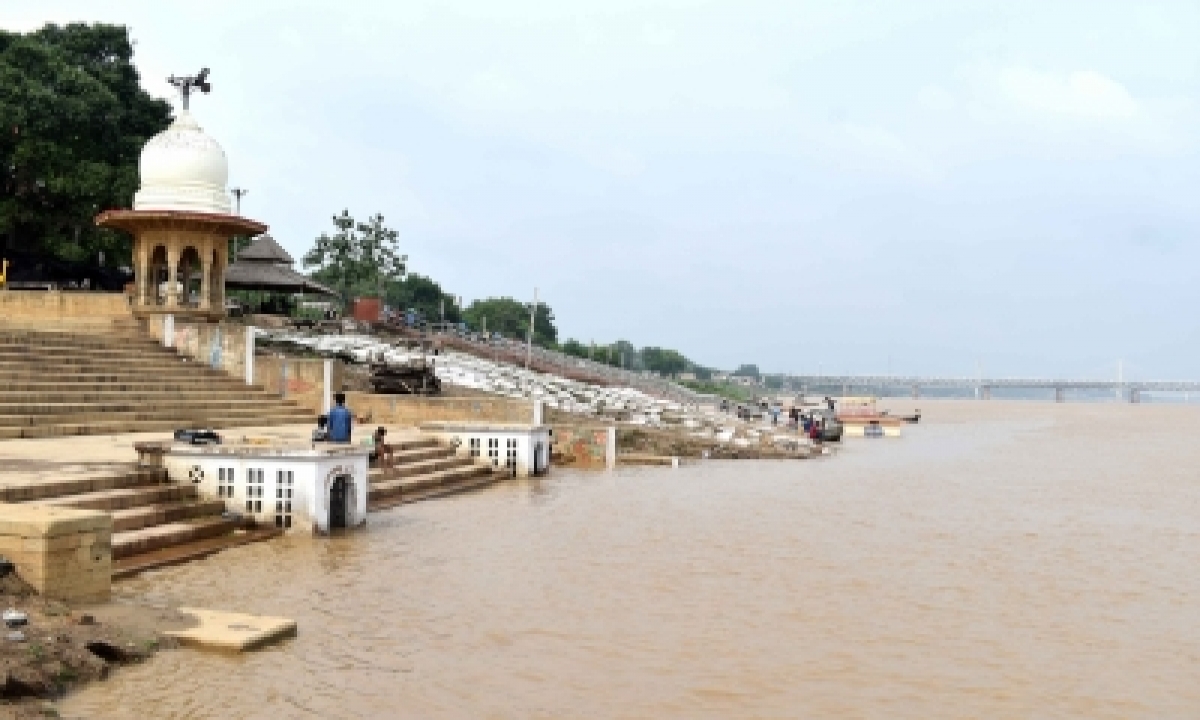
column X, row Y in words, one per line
column 141, row 270
column 206, row 269
column 172, row 273
column 218, row 281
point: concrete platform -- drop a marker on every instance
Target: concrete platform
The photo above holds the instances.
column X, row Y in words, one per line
column 232, row 632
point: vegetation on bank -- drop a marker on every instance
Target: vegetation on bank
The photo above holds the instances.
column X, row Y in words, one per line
column 73, row 120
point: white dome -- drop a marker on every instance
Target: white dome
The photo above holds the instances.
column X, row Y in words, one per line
column 183, row 169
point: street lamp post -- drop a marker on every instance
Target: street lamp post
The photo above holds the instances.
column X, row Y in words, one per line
column 238, row 194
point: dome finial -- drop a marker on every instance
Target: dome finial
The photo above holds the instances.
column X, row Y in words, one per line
column 186, row 83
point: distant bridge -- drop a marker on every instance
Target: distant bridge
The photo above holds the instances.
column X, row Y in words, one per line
column 983, row 387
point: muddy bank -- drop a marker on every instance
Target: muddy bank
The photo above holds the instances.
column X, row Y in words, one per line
column 60, row 647
column 653, row 441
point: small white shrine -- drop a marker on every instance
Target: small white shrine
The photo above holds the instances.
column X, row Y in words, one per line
column 322, row 487
column 523, row 449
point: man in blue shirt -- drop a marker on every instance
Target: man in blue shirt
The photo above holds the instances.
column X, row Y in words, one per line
column 339, row 420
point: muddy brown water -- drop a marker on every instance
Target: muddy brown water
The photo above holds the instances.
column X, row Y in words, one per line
column 1001, row 560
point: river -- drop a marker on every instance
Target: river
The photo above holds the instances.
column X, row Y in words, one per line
column 1003, row 559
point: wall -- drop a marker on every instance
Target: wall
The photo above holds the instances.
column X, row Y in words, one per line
column 305, row 384
column 415, row 409
column 217, row 344
column 224, row 345
column 64, row 554
column 582, row 446
column 38, row 305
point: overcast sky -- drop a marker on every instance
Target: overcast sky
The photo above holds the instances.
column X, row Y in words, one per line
column 923, row 186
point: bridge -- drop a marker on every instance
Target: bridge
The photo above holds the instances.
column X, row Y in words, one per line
column 983, row 387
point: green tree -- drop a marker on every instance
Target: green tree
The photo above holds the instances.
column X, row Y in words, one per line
column 73, row 120
column 575, row 348
column 423, row 295
column 358, row 258
column 664, row 361
column 511, row 318
column 747, row 371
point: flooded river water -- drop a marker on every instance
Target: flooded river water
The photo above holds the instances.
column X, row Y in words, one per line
column 1001, row 560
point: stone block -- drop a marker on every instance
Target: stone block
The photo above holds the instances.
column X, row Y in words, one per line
column 63, row 553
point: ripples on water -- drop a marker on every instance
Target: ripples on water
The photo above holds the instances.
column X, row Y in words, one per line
column 1005, row 560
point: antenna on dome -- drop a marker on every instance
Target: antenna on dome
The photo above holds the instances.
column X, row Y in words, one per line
column 185, row 84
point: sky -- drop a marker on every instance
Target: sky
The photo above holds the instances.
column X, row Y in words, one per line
column 919, row 187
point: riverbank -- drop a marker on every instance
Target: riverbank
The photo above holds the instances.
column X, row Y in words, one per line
column 62, row 648
column 1002, row 559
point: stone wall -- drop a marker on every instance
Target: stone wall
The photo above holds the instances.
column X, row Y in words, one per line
column 219, row 345
column 56, row 306
column 415, row 409
column 64, row 554
column 305, row 379
column 583, row 446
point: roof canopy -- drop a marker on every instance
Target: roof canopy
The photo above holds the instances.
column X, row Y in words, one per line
column 264, row 265
column 264, row 249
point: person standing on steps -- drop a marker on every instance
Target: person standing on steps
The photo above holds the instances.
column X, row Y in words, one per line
column 340, row 420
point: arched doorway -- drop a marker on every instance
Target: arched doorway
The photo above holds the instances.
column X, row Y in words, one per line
column 339, row 502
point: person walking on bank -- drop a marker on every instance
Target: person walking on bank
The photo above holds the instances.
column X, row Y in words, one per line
column 340, row 420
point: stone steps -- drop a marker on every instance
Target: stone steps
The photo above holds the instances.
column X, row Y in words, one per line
column 382, row 489
column 129, row 426
column 142, row 516
column 178, row 412
column 118, row 406
column 155, row 523
column 86, row 365
column 421, row 467
column 47, row 394
column 157, row 537
column 101, row 480
column 187, row 551
column 429, row 487
column 123, row 498
column 122, row 383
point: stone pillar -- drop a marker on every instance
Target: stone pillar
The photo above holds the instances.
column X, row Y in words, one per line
column 283, row 377
column 206, row 269
column 249, row 354
column 610, row 449
column 168, row 330
column 172, row 275
column 327, row 386
column 538, row 406
column 141, row 272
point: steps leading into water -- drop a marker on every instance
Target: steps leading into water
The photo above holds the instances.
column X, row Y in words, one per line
column 425, row 469
column 92, row 378
column 155, row 522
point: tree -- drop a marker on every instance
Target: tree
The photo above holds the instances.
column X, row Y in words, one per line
column 747, row 371
column 73, row 120
column 423, row 295
column 511, row 318
column 575, row 348
column 664, row 361
column 358, row 258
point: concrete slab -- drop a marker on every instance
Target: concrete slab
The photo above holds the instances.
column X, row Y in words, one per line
column 228, row 631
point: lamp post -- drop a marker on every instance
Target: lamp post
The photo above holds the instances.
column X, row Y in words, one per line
column 238, row 193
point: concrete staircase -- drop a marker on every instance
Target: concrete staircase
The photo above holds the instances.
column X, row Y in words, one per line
column 425, row 469
column 155, row 523
column 114, row 379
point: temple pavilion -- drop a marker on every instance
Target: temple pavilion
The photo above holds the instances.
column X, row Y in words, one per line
column 181, row 223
